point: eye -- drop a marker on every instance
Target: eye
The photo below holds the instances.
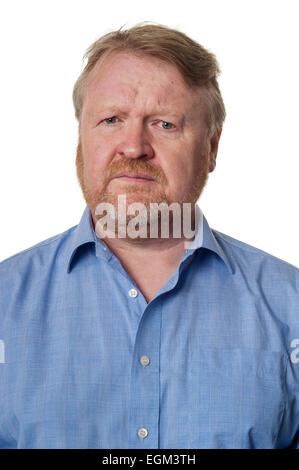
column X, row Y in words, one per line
column 167, row 125
column 110, row 120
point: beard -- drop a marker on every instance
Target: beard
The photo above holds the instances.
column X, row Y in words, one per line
column 137, row 193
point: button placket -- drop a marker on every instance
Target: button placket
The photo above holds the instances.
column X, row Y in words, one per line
column 144, row 389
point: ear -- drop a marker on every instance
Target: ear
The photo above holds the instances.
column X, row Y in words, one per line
column 213, row 148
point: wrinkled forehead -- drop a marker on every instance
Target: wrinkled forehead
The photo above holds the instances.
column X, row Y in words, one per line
column 110, row 59
column 128, row 75
column 127, row 60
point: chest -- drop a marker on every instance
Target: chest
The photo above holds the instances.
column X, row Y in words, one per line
column 193, row 367
column 197, row 388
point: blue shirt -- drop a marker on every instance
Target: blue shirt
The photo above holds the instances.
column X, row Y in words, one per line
column 212, row 361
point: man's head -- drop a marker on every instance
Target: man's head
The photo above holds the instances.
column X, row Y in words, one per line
column 147, row 103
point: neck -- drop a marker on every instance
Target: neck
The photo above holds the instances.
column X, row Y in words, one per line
column 166, row 239
column 149, row 261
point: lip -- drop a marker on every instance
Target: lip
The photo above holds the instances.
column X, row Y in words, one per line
column 134, row 176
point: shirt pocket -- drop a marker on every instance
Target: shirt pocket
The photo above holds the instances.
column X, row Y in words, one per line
column 242, row 393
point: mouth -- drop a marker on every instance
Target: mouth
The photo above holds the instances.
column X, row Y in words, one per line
column 136, row 177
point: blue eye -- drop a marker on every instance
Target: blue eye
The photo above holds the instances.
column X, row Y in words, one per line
column 110, row 120
column 166, row 125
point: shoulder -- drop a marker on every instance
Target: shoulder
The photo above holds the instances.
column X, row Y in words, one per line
column 253, row 261
column 36, row 257
column 28, row 279
column 271, row 282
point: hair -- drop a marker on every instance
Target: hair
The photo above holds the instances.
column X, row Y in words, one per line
column 198, row 66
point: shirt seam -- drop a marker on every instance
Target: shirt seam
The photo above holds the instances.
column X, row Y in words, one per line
column 283, row 411
column 253, row 250
column 40, row 244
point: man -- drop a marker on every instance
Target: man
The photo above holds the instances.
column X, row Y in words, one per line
column 116, row 336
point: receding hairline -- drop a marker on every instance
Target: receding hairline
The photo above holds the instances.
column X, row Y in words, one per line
column 200, row 90
column 134, row 53
column 197, row 66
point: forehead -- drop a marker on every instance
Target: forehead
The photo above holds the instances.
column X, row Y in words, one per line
column 128, row 77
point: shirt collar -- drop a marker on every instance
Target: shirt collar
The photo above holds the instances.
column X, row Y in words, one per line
column 82, row 234
column 204, row 238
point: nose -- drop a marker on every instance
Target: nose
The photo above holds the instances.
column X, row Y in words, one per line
column 134, row 142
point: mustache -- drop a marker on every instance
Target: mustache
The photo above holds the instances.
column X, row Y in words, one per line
column 137, row 166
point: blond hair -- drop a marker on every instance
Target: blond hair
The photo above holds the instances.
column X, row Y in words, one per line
column 198, row 66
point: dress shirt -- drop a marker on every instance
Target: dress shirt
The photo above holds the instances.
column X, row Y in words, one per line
column 212, row 361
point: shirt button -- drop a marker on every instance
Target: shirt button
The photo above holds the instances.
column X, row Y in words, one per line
column 142, row 432
column 144, row 360
column 133, row 293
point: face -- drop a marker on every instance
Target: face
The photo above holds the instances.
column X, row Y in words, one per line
column 140, row 118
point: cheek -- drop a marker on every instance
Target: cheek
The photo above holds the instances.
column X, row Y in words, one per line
column 180, row 171
column 177, row 180
column 96, row 160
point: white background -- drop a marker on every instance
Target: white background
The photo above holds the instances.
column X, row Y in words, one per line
column 253, row 193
